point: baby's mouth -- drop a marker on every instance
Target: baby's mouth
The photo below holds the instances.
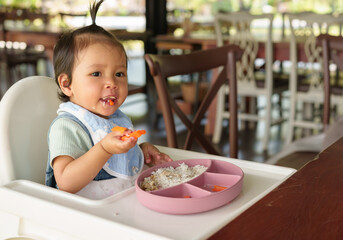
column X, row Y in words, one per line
column 108, row 100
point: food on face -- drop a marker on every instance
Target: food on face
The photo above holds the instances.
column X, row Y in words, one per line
column 108, row 100
column 136, row 134
column 167, row 177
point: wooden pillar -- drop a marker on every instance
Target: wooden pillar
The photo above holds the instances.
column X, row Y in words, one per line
column 156, row 23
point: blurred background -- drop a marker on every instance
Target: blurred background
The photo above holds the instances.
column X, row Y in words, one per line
column 137, row 23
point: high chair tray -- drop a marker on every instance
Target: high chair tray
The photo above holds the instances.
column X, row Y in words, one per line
column 198, row 194
column 36, row 211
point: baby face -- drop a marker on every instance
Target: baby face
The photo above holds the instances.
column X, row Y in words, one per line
column 99, row 79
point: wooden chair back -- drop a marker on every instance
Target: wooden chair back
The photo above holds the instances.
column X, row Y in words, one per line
column 332, row 52
column 164, row 66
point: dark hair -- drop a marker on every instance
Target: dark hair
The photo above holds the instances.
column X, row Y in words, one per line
column 72, row 42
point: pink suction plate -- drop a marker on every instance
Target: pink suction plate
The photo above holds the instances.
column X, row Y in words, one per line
column 196, row 195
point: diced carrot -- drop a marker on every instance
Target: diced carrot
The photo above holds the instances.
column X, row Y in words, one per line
column 217, row 188
column 111, row 102
column 138, row 133
column 119, row 129
column 135, row 134
column 187, row 196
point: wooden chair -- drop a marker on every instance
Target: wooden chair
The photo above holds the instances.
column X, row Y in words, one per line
column 332, row 52
column 332, row 47
column 165, row 66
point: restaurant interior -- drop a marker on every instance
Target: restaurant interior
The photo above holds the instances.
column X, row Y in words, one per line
column 281, row 106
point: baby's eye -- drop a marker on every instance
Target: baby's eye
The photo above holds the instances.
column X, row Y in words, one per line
column 120, row 74
column 96, row 74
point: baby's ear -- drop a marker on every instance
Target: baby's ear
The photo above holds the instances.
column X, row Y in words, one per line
column 64, row 83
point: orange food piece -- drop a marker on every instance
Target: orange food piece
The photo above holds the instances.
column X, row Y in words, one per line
column 135, row 134
column 217, row 188
column 138, row 133
column 187, row 196
column 111, row 102
column 119, row 129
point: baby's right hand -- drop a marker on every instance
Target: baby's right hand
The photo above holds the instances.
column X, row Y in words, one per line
column 112, row 143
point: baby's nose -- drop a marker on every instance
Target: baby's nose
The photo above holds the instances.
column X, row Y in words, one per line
column 111, row 83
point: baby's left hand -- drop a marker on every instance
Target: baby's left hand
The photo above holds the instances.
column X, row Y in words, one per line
column 152, row 156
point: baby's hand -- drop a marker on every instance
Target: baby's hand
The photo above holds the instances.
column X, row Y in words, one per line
column 152, row 155
column 113, row 144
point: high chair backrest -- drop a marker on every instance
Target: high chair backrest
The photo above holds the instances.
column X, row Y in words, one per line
column 164, row 66
column 26, row 112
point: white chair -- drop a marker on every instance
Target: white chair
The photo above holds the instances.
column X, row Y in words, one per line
column 26, row 112
column 239, row 31
column 306, row 80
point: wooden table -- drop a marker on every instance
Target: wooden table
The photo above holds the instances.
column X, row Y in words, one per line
column 308, row 205
column 46, row 36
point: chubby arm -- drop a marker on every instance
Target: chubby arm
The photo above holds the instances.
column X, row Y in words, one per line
column 74, row 174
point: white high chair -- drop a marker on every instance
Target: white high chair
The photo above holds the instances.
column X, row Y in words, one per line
column 26, row 112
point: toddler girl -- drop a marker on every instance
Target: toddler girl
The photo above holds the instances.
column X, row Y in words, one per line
column 85, row 156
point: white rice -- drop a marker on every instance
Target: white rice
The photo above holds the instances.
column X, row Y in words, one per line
column 168, row 177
